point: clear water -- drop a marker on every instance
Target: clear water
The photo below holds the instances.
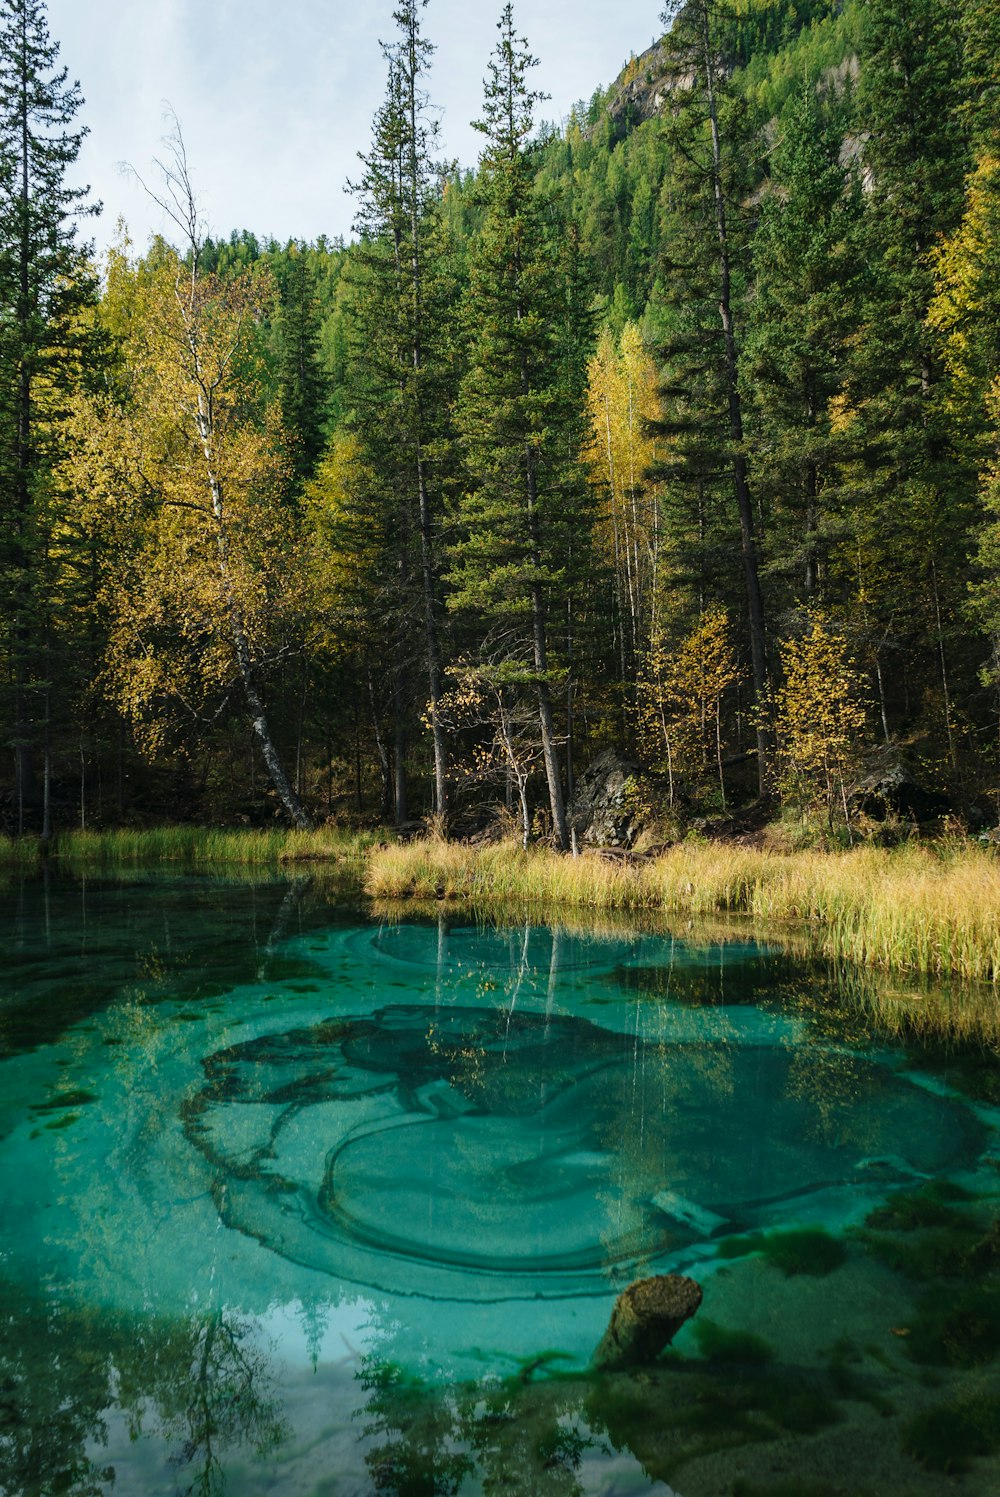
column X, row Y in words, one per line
column 304, row 1202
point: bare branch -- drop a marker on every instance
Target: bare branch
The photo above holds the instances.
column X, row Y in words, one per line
column 176, row 198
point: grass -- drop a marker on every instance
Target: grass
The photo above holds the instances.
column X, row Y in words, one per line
column 931, row 909
column 189, row 848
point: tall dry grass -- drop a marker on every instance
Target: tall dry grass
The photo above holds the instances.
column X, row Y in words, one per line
column 925, row 909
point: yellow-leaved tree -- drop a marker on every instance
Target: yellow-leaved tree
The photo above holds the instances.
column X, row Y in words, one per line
column 185, row 469
column 965, row 312
column 679, row 696
column 622, row 401
column 821, row 717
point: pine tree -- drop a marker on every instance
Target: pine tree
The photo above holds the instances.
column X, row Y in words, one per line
column 525, row 512
column 981, row 53
column 43, row 284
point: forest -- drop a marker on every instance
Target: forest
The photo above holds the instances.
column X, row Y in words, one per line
column 672, row 428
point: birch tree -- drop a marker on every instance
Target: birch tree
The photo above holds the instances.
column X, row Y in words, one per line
column 194, row 467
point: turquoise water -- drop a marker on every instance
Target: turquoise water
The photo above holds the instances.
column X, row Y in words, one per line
column 306, row 1202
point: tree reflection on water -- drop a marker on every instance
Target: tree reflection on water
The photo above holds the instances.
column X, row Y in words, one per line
column 202, row 1387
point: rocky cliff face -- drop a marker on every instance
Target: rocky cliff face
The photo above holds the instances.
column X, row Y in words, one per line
column 642, row 87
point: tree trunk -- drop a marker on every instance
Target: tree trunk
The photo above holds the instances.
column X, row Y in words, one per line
column 645, row 1319
column 241, row 647
column 540, row 653
column 427, row 568
column 399, row 749
column 741, row 482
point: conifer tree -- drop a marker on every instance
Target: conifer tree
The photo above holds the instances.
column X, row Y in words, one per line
column 43, row 283
column 403, row 363
column 526, row 509
column 301, row 383
column 807, row 281
column 912, row 489
column 705, row 274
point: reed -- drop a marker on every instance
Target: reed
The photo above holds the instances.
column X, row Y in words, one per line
column 188, row 848
column 933, row 909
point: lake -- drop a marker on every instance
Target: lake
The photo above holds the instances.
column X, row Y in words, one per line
column 304, row 1198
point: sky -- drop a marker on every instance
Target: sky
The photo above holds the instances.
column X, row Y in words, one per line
column 276, row 97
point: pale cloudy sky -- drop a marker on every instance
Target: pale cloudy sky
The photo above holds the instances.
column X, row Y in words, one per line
column 276, row 97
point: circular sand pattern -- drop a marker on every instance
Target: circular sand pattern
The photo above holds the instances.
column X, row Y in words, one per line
column 479, row 1154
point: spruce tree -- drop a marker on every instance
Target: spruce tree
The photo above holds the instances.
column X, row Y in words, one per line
column 403, row 362
column 705, row 274
column 524, row 517
column 808, row 278
column 43, row 283
column 302, row 386
column 911, row 496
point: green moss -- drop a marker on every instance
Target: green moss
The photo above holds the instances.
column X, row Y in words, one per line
column 926, row 1257
column 63, row 1100
column 958, row 1325
column 926, row 1235
column 800, row 1408
column 808, row 1250
column 847, row 1381
column 741, row 1246
column 947, row 1437
column 932, row 1205
column 794, row 1488
column 717, row 1344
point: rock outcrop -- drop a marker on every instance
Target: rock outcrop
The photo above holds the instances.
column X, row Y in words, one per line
column 642, row 87
column 600, row 815
column 893, row 784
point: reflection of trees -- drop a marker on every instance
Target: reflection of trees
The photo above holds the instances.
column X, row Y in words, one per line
column 415, row 1430
column 203, row 1385
column 52, row 1401
column 217, row 1397
column 526, row 1445
column 519, row 1442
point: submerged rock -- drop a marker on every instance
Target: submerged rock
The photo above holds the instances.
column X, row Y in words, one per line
column 645, row 1319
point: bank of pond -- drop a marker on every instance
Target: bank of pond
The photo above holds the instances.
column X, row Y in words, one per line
column 930, row 907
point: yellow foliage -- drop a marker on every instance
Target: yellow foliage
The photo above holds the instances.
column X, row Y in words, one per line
column 820, row 715
column 965, row 267
column 622, row 400
column 679, row 699
column 182, row 471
